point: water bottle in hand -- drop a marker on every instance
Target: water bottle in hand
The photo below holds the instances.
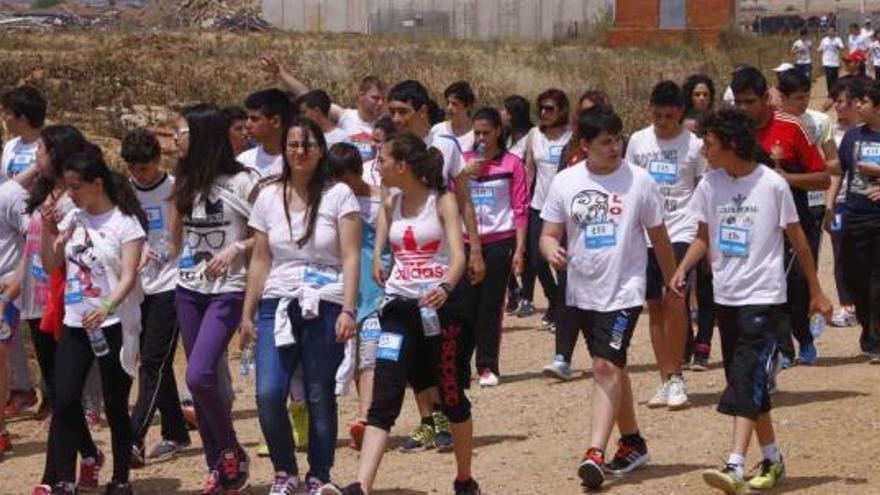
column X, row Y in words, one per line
column 430, row 321
column 481, row 150
column 817, row 325
column 161, row 252
column 98, row 342
column 247, row 361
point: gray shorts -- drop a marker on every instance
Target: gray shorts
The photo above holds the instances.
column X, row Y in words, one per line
column 368, row 341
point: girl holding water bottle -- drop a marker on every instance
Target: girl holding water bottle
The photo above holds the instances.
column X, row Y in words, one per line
column 302, row 290
column 420, row 343
column 99, row 243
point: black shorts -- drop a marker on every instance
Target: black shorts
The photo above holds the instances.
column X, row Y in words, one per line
column 654, row 280
column 608, row 334
column 748, row 344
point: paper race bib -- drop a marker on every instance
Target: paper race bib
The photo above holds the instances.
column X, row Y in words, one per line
column 20, row 162
column 663, row 172
column 734, row 241
column 389, row 346
column 555, row 154
column 371, row 329
column 73, row 292
column 154, row 218
column 870, row 153
column 600, row 235
column 317, row 275
column 815, row 198
column 483, row 196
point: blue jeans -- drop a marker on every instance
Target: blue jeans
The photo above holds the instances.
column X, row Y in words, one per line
column 320, row 355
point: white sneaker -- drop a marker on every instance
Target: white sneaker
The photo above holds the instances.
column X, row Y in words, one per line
column 661, row 397
column 676, row 395
column 488, row 379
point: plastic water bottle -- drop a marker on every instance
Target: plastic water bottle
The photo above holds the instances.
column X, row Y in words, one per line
column 817, row 325
column 247, row 361
column 481, row 150
column 98, row 342
column 162, row 254
column 430, row 321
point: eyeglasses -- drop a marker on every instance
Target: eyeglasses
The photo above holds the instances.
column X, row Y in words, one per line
column 178, row 133
column 303, row 145
column 547, row 108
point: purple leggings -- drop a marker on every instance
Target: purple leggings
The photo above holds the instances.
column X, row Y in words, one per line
column 207, row 322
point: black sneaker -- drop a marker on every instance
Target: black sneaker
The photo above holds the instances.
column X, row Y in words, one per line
column 525, row 309
column 442, row 432
column 234, row 469
column 167, row 449
column 628, row 458
column 701, row 363
column 114, row 488
column 512, row 302
column 590, row 469
column 330, row 489
column 137, row 457
column 469, row 487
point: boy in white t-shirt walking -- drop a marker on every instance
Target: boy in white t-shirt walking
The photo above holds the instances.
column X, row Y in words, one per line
column 801, row 49
column 830, row 48
column 265, row 111
column 744, row 210
column 604, row 206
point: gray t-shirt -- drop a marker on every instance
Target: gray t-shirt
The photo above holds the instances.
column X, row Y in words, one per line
column 13, row 226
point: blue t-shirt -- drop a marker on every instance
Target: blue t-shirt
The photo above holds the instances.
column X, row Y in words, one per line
column 369, row 294
column 860, row 145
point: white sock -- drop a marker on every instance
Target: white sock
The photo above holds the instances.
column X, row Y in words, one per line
column 737, row 461
column 771, row 452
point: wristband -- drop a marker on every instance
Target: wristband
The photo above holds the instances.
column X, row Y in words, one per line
column 446, row 288
column 350, row 312
column 109, row 307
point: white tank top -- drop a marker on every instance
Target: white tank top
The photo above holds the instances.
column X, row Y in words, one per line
column 421, row 254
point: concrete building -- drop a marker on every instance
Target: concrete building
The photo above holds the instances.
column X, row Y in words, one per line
column 483, row 19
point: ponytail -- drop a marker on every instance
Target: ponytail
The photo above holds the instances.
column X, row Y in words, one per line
column 426, row 163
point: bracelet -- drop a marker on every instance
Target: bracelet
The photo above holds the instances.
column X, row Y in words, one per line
column 109, row 307
column 446, row 288
column 350, row 312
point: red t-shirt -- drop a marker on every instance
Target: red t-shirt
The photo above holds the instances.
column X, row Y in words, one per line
column 799, row 154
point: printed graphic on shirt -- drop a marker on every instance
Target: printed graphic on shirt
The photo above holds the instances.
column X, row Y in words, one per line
column 84, row 283
column 364, row 144
column 417, row 261
column 593, row 211
column 868, row 152
column 735, row 226
column 204, row 238
column 20, row 162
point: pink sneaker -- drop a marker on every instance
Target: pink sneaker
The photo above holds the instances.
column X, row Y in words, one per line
column 42, row 490
column 89, row 473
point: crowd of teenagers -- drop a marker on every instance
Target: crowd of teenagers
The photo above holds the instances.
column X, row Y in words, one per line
column 382, row 245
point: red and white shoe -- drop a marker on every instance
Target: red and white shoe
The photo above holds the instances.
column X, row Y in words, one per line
column 90, row 473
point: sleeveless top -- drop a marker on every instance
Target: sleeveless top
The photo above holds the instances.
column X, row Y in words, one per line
column 421, row 254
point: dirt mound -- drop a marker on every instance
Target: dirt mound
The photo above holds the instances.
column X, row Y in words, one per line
column 193, row 13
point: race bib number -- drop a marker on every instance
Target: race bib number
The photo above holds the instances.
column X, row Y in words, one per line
column 663, row 172
column 154, row 218
column 600, row 235
column 483, row 196
column 870, row 153
column 316, row 275
column 389, row 346
column 19, row 163
column 816, row 198
column 366, row 150
column 734, row 241
column 555, row 154
column 371, row 329
column 73, row 292
column 186, row 259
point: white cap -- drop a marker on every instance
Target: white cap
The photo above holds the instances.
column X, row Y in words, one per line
column 784, row 67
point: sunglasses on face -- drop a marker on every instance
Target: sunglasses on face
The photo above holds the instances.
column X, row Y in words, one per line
column 547, row 108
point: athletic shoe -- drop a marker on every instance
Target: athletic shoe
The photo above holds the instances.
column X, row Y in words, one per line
column 469, row 487
column 64, row 488
column 808, row 355
column 558, row 369
column 771, row 474
column 875, row 358
column 700, row 363
column 488, row 379
column 442, row 432
column 356, row 430
column 352, row 489
column 19, row 402
column 118, row 489
column 590, row 469
column 843, row 318
column 677, row 398
column 526, row 309
column 5, row 443
column 512, row 303
column 89, row 472
column 42, row 490
column 786, row 361
column 189, row 414
column 546, row 321
column 212, row 484
column 137, row 457
column 299, row 419
column 422, row 439
column 285, row 484
column 727, row 480
column 234, row 466
column 628, row 458
column 166, row 449
column 661, row 397
column 313, row 485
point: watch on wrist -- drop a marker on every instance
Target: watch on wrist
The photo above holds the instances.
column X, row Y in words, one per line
column 446, row 288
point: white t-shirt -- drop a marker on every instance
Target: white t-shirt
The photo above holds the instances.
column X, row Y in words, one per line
column 35, row 286
column 337, row 135
column 519, row 147
column 154, row 201
column 605, row 218
column 263, row 163
column 453, row 162
column 801, row 49
column 352, row 124
column 547, row 155
column 17, row 157
column 819, row 127
column 746, row 218
column 857, row 42
column 831, row 48
column 369, row 206
column 13, row 226
column 676, row 165
column 874, row 48
column 319, row 262
column 88, row 283
column 205, row 237
column 465, row 141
